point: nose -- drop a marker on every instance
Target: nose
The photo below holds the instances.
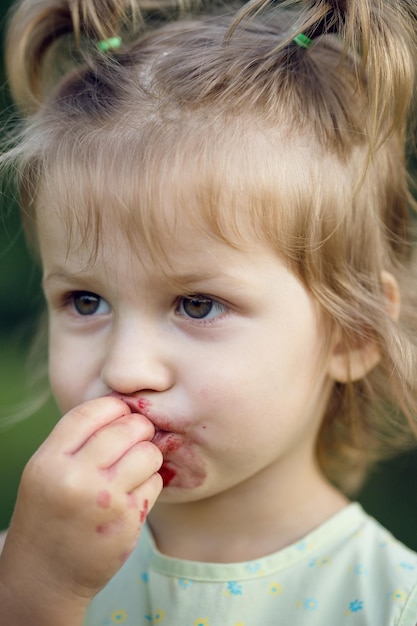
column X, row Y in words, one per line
column 137, row 358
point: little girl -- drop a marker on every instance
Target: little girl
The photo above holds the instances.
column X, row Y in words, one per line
column 219, row 201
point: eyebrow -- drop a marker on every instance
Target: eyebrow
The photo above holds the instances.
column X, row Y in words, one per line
column 181, row 280
column 64, row 276
column 190, row 278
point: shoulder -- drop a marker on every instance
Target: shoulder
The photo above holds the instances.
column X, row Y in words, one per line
column 379, row 574
column 378, row 544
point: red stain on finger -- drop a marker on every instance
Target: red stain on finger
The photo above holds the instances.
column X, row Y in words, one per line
column 144, row 511
column 110, row 529
column 102, row 529
column 103, row 499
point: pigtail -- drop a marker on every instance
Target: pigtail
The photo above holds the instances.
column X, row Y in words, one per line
column 45, row 37
column 33, row 28
column 39, row 26
column 377, row 37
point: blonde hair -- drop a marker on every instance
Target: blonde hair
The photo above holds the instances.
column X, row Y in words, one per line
column 306, row 144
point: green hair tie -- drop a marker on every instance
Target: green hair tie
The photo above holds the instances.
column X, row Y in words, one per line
column 303, row 41
column 112, row 43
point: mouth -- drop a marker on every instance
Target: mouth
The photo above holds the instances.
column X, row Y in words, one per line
column 162, row 424
column 167, row 441
column 136, row 405
column 172, row 438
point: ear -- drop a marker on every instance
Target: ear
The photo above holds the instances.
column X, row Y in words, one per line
column 350, row 363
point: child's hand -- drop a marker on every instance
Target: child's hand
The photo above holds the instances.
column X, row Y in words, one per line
column 82, row 501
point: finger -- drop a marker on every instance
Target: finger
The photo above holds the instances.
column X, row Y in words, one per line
column 107, row 445
column 117, row 510
column 135, row 467
column 78, row 425
column 144, row 497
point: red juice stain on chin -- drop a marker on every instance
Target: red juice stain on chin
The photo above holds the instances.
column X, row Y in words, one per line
column 172, row 444
column 167, row 474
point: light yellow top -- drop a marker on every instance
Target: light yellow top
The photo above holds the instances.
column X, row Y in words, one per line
column 348, row 571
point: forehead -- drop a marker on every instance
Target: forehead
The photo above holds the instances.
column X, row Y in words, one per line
column 167, row 179
column 163, row 242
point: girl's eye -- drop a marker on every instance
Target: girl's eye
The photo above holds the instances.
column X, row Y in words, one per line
column 86, row 303
column 200, row 307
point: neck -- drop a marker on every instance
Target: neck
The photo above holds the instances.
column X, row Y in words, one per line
column 253, row 519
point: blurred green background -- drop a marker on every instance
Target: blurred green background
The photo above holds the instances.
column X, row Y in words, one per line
column 390, row 494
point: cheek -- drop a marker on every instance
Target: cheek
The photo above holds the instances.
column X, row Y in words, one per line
column 266, row 394
column 64, row 387
column 68, row 373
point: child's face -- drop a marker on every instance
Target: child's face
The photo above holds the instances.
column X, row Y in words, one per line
column 227, row 364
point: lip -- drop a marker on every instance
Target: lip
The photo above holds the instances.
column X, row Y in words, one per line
column 136, row 405
column 167, row 442
column 143, row 406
